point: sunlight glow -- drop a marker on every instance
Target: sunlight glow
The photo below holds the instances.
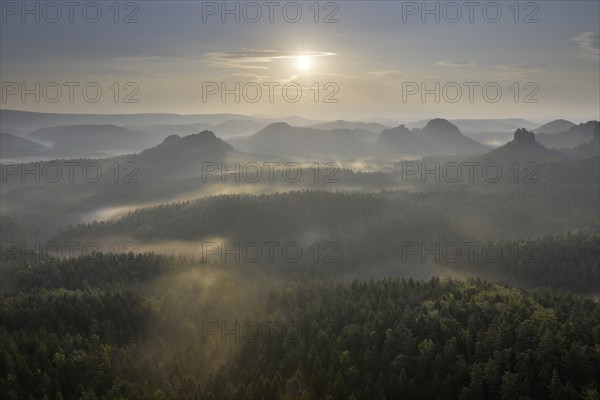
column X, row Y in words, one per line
column 304, row 62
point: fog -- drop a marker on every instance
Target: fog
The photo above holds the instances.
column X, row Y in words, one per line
column 206, row 252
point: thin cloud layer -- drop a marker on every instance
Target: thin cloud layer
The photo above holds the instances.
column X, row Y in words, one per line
column 254, row 59
column 523, row 67
column 386, row 73
column 589, row 44
column 456, row 63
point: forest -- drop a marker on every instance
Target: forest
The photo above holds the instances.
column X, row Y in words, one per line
column 378, row 307
column 148, row 326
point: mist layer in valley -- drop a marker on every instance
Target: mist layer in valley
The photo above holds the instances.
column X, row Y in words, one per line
column 225, row 256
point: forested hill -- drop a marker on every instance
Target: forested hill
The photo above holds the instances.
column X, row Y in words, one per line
column 158, row 330
column 446, row 214
column 397, row 339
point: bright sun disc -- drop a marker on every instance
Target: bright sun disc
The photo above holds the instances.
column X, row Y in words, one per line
column 304, row 62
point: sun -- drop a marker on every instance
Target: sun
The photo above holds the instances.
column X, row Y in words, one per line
column 304, row 62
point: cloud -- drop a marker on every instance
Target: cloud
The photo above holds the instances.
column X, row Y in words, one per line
column 519, row 71
column 589, row 44
column 255, row 59
column 522, row 67
column 253, row 77
column 138, row 58
column 456, row 63
column 386, row 73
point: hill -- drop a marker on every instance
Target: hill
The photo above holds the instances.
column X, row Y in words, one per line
column 523, row 148
column 492, row 132
column 341, row 124
column 179, row 156
column 90, row 140
column 27, row 121
column 12, row 146
column 119, row 320
column 225, row 129
column 577, row 134
column 482, row 125
column 556, row 126
column 590, row 149
column 437, row 137
column 282, row 139
column 403, row 142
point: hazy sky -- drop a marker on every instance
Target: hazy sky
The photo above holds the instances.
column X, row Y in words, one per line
column 375, row 60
